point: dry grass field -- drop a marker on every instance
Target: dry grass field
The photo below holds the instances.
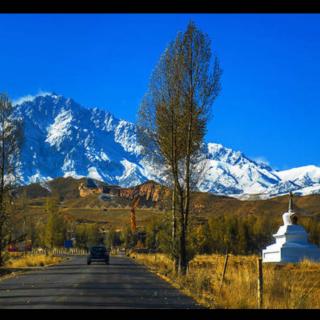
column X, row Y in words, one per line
column 28, row 260
column 285, row 286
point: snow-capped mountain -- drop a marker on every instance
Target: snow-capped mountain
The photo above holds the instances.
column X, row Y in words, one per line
column 63, row 138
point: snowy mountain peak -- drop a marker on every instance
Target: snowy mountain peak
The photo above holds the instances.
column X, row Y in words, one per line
column 306, row 175
column 63, row 138
column 29, row 98
column 60, row 129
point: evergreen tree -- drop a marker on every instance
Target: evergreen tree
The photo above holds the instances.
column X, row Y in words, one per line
column 152, row 231
column 55, row 231
column 81, row 236
column 94, row 236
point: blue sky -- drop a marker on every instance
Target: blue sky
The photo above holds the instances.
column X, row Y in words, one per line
column 269, row 104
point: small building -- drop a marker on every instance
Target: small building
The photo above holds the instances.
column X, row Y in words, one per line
column 292, row 243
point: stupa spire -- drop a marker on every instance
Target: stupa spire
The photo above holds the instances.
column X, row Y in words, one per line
column 290, row 202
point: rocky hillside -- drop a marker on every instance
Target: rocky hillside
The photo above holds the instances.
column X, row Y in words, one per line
column 155, row 196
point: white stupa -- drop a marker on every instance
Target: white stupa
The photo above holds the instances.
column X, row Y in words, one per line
column 291, row 242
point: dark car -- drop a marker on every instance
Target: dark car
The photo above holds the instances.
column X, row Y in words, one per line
column 98, row 253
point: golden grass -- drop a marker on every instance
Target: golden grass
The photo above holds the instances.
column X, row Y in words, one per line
column 32, row 261
column 285, row 286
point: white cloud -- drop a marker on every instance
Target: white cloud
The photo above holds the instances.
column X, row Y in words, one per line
column 93, row 173
column 261, row 159
column 30, row 97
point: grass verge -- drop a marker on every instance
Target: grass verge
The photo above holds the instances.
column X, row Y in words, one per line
column 25, row 261
column 19, row 263
column 287, row 286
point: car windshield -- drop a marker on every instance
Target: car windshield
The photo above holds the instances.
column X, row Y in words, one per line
column 98, row 250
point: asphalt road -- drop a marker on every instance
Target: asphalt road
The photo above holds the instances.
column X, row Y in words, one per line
column 73, row 284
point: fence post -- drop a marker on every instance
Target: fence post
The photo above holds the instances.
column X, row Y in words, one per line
column 224, row 269
column 260, row 283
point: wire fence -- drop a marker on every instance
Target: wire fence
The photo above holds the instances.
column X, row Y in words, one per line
column 60, row 251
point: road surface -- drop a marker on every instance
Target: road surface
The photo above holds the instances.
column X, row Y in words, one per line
column 74, row 284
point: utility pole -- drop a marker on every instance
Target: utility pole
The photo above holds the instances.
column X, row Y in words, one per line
column 224, row 269
column 260, row 283
column 25, row 236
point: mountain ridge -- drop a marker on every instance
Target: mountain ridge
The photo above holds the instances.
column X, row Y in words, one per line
column 63, row 138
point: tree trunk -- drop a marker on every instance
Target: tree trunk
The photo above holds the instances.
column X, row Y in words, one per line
column 174, row 223
column 174, row 190
column 174, row 230
column 183, row 252
column 1, row 262
column 187, row 177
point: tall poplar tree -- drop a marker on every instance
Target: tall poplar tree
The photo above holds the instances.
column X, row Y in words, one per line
column 10, row 144
column 173, row 118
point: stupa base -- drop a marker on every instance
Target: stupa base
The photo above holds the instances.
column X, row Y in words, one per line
column 291, row 253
